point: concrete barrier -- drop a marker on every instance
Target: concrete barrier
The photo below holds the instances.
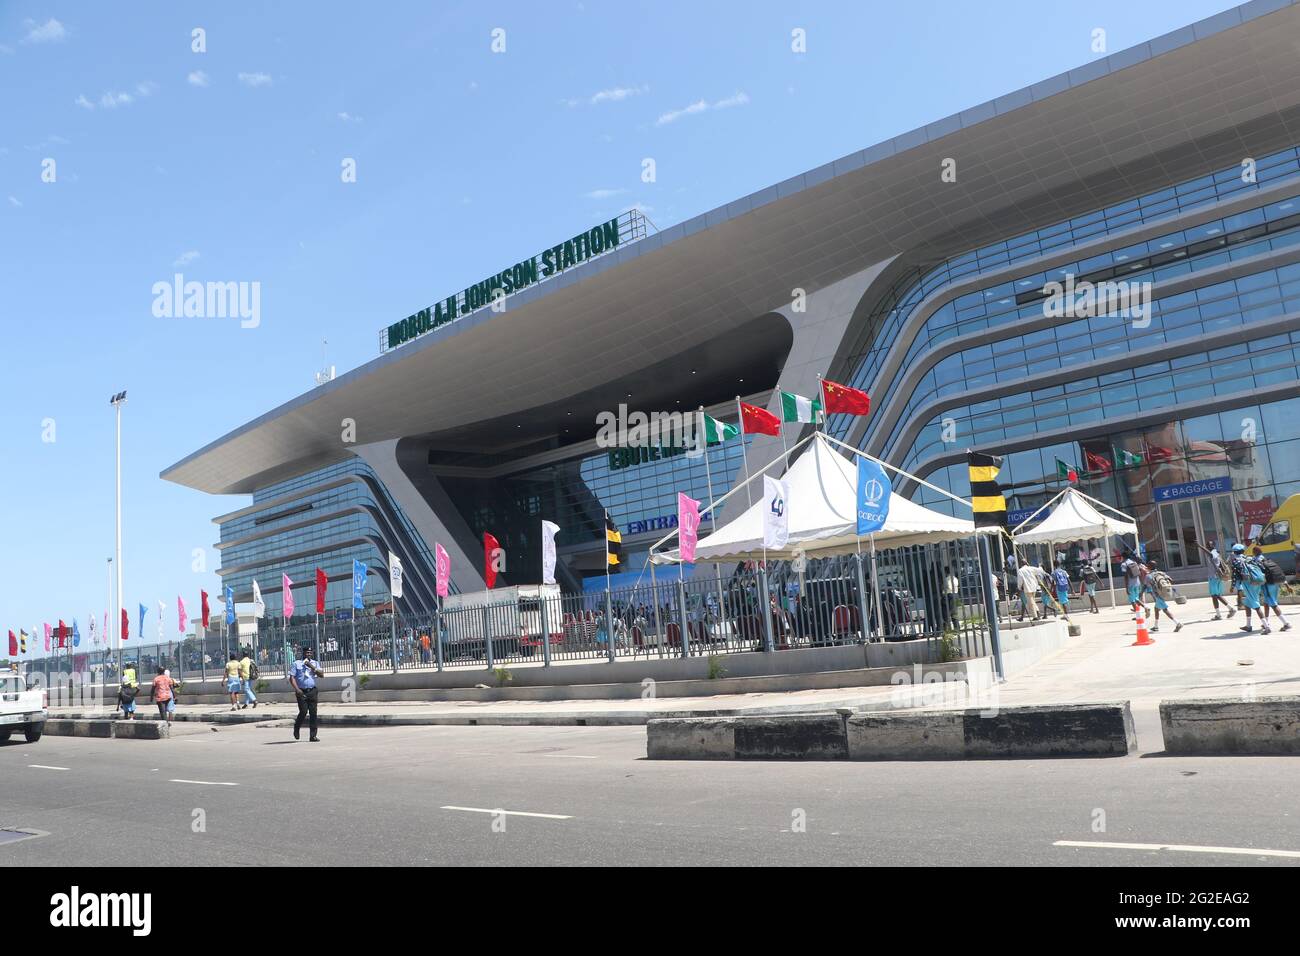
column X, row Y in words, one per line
column 1267, row 725
column 1055, row 730
column 1065, row 730
column 107, row 727
column 59, row 727
column 141, row 729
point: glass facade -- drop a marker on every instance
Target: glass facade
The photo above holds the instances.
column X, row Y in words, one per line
column 323, row 519
column 641, row 498
column 976, row 310
column 1212, row 476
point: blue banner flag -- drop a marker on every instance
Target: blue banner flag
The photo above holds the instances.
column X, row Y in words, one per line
column 230, row 605
column 358, row 584
column 142, row 613
column 874, row 490
column 76, row 634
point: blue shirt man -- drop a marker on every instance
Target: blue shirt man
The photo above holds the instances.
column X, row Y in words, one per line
column 302, row 675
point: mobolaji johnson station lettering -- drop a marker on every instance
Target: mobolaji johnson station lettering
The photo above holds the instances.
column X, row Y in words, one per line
column 596, row 241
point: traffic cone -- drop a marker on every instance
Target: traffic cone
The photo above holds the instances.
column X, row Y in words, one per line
column 1144, row 638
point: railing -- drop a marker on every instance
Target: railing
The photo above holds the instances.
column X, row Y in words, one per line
column 746, row 609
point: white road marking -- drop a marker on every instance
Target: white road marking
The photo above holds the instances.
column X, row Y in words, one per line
column 511, row 813
column 473, row 753
column 1182, row 848
column 572, row 756
column 206, row 783
column 41, row 766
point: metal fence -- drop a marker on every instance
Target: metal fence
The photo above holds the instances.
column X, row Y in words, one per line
column 930, row 593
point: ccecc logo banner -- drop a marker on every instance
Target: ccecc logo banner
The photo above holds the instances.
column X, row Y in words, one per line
column 874, row 489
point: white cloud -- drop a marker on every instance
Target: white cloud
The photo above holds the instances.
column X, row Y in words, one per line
column 185, row 258
column 84, row 103
column 51, row 31
column 255, row 79
column 15, row 202
column 349, row 118
column 58, row 140
column 111, row 100
column 197, row 78
column 147, row 88
column 614, row 94
column 701, row 106
column 604, row 193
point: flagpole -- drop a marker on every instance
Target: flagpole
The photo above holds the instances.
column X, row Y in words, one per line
column 740, row 419
column 713, row 521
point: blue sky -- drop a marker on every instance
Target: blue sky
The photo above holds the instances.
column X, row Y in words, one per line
column 225, row 165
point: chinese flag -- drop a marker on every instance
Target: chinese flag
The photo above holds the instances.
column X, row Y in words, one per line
column 13, row 645
column 491, row 547
column 758, row 421
column 203, row 600
column 1098, row 464
column 63, row 633
column 840, row 399
column 126, row 624
column 1159, row 453
column 322, row 582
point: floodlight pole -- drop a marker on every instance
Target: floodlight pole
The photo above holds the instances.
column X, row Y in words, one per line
column 117, row 401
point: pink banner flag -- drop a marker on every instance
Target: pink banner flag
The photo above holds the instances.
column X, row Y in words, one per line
column 47, row 637
column 688, row 525
column 182, row 621
column 287, row 585
column 443, row 562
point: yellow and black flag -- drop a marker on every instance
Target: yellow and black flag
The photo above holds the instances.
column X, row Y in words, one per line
column 613, row 543
column 985, row 492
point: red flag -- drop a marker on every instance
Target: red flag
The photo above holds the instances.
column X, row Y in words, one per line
column 1098, row 464
column 63, row 633
column 843, row 400
column 1159, row 453
column 126, row 624
column 203, row 600
column 491, row 548
column 322, row 582
column 13, row 645
column 758, row 421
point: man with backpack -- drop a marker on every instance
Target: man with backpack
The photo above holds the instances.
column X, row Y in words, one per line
column 1088, row 579
column 248, row 673
column 1220, row 578
column 1248, row 578
column 1161, row 587
column 1132, row 571
column 1268, row 592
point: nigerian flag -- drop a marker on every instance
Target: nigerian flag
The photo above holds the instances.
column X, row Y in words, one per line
column 716, row 431
column 796, row 408
column 1126, row 459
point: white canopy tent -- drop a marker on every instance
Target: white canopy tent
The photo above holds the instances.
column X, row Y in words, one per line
column 1076, row 516
column 821, row 492
column 821, row 502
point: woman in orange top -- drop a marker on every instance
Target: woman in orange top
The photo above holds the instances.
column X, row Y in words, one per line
column 160, row 692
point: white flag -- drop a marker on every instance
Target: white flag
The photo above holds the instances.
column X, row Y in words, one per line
column 394, row 575
column 549, row 531
column 161, row 607
column 93, row 639
column 259, row 606
column 776, row 518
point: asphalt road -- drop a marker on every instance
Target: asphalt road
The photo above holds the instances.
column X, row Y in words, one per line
column 377, row 796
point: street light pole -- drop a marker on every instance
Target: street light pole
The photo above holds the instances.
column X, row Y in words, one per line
column 117, row 401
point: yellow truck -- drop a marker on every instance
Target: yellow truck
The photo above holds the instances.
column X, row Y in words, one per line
column 1280, row 536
